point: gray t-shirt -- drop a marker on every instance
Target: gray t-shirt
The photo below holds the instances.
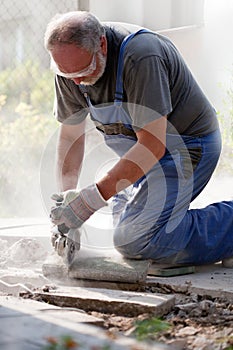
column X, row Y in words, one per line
column 155, row 76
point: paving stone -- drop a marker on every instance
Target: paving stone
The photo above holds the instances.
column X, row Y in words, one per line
column 19, row 306
column 5, row 312
column 31, row 329
column 54, row 267
column 8, row 345
column 110, row 301
column 100, row 268
column 116, row 269
column 213, row 280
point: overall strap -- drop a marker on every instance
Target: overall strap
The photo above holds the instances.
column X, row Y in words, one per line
column 83, row 90
column 119, row 81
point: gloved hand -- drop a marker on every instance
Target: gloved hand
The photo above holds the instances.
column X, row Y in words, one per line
column 73, row 208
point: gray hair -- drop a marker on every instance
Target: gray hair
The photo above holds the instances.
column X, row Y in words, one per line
column 77, row 27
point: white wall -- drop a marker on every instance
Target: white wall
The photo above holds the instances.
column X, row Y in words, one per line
column 130, row 11
column 207, row 49
column 149, row 13
column 157, row 14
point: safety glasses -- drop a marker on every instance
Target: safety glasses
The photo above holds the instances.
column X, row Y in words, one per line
column 84, row 72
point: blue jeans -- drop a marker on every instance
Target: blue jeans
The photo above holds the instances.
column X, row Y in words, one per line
column 155, row 221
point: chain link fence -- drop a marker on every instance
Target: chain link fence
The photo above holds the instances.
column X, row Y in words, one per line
column 22, row 28
column 26, row 100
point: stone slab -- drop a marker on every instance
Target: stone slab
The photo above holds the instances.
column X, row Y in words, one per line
column 33, row 324
column 116, row 269
column 213, row 280
column 19, row 305
column 100, row 268
column 54, row 267
column 169, row 271
column 110, row 301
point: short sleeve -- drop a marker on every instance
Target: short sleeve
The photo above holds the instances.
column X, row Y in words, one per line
column 69, row 104
column 148, row 91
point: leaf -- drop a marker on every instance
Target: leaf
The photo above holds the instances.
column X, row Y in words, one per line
column 148, row 328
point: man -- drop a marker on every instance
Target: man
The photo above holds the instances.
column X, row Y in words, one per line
column 152, row 113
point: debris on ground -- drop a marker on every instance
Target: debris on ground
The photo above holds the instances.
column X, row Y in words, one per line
column 22, row 253
column 196, row 321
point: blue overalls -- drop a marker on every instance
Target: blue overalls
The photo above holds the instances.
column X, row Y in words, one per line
column 153, row 216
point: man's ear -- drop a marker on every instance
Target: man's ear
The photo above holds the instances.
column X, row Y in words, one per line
column 103, row 44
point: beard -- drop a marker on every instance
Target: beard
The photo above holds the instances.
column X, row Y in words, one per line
column 101, row 67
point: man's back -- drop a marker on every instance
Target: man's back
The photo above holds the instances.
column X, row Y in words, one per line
column 154, row 76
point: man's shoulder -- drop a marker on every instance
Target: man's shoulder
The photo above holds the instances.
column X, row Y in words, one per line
column 117, row 31
column 122, row 28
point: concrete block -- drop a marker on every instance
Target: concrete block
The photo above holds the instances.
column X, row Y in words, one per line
column 54, row 267
column 99, row 268
column 110, row 301
column 169, row 271
column 18, row 305
column 213, row 280
column 116, row 269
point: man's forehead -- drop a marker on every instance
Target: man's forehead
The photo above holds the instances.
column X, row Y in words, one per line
column 69, row 49
column 69, row 58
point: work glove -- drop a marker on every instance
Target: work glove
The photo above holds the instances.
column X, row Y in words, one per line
column 73, row 208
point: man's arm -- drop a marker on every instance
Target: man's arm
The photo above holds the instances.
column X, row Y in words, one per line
column 70, row 150
column 77, row 207
column 149, row 148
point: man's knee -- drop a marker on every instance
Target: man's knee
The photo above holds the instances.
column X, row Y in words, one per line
column 127, row 244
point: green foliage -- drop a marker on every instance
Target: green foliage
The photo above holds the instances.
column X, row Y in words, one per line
column 2, row 101
column 150, row 328
column 21, row 146
column 26, row 124
column 26, row 83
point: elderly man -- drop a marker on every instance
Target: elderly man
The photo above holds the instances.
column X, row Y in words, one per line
column 152, row 113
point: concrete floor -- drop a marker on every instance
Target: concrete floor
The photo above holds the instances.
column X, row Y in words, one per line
column 25, row 324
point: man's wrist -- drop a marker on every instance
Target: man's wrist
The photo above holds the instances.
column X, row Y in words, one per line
column 92, row 196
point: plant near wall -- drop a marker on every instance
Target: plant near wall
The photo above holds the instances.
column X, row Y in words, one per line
column 27, row 83
column 150, row 328
column 26, row 124
column 22, row 142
